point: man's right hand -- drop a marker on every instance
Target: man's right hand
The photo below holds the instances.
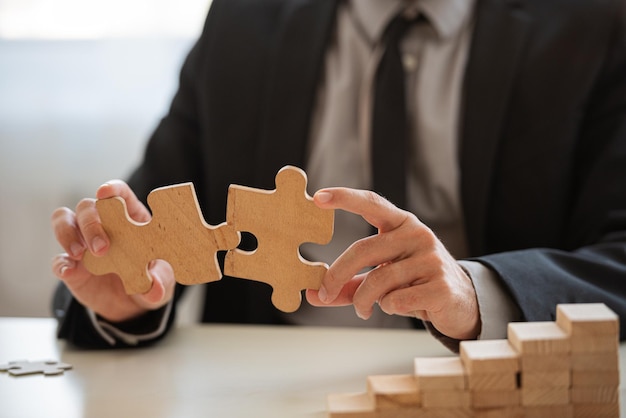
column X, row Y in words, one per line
column 81, row 230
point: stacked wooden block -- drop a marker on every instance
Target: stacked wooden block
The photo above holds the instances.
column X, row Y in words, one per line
column 563, row 368
column 594, row 358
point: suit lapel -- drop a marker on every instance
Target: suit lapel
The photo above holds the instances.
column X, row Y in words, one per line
column 499, row 36
column 297, row 67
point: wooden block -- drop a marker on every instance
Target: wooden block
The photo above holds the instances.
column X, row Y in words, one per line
column 443, row 413
column 492, row 381
column 401, row 413
column 446, row 398
column 596, row 344
column 489, row 356
column 433, row 373
column 393, row 391
column 495, row 398
column 545, row 396
column 500, row 412
column 549, row 411
column 281, row 220
column 550, row 379
column 545, row 362
column 593, row 378
column 596, row 410
column 177, row 234
column 587, row 319
column 351, row 405
column 595, row 361
column 538, row 338
column 594, row 394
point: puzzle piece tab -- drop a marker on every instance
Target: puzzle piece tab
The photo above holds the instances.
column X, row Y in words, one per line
column 24, row 367
column 177, row 234
column 281, row 220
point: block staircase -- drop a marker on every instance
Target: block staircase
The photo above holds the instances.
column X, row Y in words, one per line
column 564, row 368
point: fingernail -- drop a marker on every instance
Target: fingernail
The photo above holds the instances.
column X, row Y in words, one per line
column 153, row 275
column 98, row 244
column 76, row 249
column 324, row 197
column 362, row 315
column 323, row 294
column 66, row 265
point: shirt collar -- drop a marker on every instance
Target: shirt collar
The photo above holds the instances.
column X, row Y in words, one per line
column 447, row 16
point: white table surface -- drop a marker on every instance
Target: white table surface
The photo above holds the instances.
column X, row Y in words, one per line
column 203, row 371
column 208, row 371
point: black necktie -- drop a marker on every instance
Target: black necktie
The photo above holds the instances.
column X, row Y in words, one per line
column 389, row 120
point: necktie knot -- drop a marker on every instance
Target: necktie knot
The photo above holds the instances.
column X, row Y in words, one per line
column 399, row 24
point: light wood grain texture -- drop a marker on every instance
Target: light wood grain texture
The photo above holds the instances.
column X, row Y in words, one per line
column 538, row 337
column 177, row 234
column 586, row 378
column 545, row 396
column 500, row 412
column 443, row 413
column 489, row 356
column 446, row 398
column 546, row 379
column 596, row 410
column 492, row 381
column 548, row 411
column 281, row 220
column 594, row 394
column 394, row 391
column 603, row 343
column 350, row 405
column 436, row 373
column 545, row 362
column 495, row 398
column 587, row 319
column 605, row 361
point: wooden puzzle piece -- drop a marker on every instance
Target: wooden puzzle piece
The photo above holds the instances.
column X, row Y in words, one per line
column 177, row 234
column 24, row 367
column 281, row 220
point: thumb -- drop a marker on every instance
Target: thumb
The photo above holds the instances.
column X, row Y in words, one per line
column 162, row 289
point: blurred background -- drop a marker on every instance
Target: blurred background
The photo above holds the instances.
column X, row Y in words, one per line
column 82, row 85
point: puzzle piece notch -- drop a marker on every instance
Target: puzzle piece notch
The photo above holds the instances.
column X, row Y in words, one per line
column 281, row 220
column 177, row 234
column 45, row 367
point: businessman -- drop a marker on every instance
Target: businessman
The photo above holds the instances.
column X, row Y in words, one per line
column 502, row 160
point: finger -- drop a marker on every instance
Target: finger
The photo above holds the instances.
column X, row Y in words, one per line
column 411, row 240
column 162, row 289
column 136, row 209
column 344, row 297
column 66, row 232
column 90, row 227
column 70, row 271
column 379, row 282
column 61, row 264
column 375, row 209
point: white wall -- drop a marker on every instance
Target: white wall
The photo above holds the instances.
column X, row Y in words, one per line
column 75, row 111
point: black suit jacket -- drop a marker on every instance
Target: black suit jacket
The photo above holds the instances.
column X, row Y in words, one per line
column 542, row 140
